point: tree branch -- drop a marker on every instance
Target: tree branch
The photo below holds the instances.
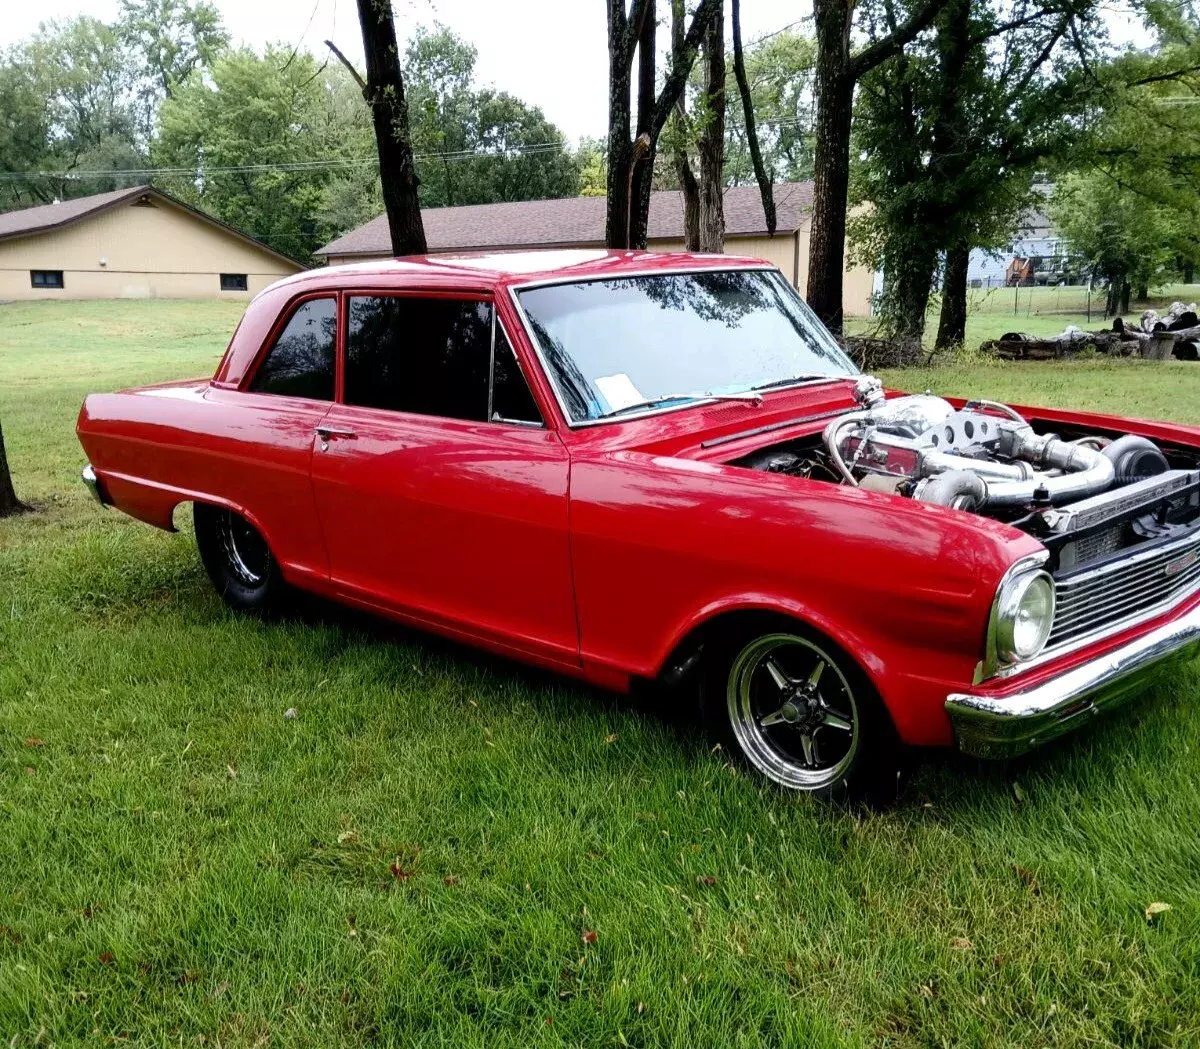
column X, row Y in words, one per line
column 1159, row 78
column 346, row 62
column 880, row 51
column 765, row 187
column 681, row 65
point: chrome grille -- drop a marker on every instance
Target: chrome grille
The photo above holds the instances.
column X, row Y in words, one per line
column 1152, row 579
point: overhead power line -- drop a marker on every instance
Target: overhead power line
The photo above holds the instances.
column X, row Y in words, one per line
column 324, row 164
column 533, row 149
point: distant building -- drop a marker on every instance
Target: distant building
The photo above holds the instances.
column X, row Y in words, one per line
column 137, row 243
column 578, row 222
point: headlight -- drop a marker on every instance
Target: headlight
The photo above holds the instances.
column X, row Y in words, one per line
column 1024, row 616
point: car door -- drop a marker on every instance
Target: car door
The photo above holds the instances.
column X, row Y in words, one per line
column 265, row 461
column 441, row 493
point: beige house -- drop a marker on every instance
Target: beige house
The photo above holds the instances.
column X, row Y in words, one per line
column 137, row 243
column 578, row 222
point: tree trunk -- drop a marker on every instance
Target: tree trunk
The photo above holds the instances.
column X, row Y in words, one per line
column 691, row 199
column 910, row 300
column 712, row 140
column 766, row 188
column 952, row 325
column 837, row 71
column 831, row 173
column 9, row 503
column 1189, row 272
column 620, row 76
column 1143, row 292
column 683, row 165
column 631, row 164
column 389, row 114
column 1125, row 289
column 645, row 143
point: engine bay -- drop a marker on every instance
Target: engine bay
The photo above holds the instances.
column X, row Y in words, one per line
column 1086, row 496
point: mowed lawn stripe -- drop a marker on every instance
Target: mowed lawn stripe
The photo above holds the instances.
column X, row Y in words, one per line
column 442, row 848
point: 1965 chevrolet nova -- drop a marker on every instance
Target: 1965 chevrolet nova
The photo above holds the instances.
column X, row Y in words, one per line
column 631, row 466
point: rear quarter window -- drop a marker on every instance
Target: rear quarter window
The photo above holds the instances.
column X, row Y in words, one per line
column 300, row 363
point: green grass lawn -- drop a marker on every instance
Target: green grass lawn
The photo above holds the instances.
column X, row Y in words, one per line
column 423, row 855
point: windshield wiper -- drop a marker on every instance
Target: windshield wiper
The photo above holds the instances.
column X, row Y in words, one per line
column 806, row 377
column 749, row 396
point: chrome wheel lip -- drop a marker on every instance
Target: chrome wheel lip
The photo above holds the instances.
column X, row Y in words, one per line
column 235, row 556
column 750, row 735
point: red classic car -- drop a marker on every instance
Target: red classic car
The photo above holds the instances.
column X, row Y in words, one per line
column 631, row 466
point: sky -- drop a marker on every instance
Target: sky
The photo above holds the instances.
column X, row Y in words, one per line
column 551, row 53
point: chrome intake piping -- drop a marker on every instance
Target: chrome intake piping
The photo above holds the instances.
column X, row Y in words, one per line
column 1085, row 471
column 930, row 463
column 832, row 438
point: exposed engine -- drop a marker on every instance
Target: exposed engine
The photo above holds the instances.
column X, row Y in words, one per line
column 1085, row 495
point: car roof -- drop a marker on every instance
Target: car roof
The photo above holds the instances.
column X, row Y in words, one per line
column 503, row 268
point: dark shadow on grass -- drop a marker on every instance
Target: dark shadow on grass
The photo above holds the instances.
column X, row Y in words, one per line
column 951, row 781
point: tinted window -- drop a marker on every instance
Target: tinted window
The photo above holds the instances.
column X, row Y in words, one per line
column 300, row 364
column 426, row 356
column 234, row 282
column 511, row 398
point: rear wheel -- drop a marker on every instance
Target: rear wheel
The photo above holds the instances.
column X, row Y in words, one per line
column 800, row 713
column 238, row 560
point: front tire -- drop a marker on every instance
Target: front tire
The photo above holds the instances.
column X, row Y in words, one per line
column 800, row 713
column 238, row 561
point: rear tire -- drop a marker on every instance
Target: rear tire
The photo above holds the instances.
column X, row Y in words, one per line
column 238, row 561
column 800, row 713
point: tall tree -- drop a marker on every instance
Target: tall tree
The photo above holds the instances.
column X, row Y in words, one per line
column 703, row 197
column 171, row 39
column 269, row 119
column 838, row 70
column 631, row 156
column 953, row 129
column 477, row 146
column 384, row 93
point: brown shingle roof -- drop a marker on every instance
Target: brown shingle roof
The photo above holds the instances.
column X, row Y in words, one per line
column 46, row 217
column 571, row 221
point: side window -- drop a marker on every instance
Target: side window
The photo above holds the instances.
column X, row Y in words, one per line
column 511, row 398
column 301, row 363
column 425, row 356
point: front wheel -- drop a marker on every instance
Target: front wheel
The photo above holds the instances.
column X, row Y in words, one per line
column 801, row 713
column 238, row 560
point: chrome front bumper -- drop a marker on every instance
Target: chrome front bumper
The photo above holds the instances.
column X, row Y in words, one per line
column 1005, row 726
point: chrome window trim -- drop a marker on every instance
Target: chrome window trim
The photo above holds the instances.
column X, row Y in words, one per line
column 514, row 295
column 498, row 324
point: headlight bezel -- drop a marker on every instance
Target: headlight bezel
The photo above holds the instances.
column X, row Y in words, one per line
column 1015, row 597
column 1000, row 654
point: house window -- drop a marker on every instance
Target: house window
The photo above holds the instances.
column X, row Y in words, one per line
column 233, row 282
column 46, row 278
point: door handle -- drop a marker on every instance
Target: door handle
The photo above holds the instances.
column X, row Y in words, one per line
column 328, row 433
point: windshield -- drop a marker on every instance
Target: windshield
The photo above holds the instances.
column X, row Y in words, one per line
column 634, row 343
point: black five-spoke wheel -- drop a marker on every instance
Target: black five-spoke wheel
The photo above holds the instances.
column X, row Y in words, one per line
column 800, row 713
